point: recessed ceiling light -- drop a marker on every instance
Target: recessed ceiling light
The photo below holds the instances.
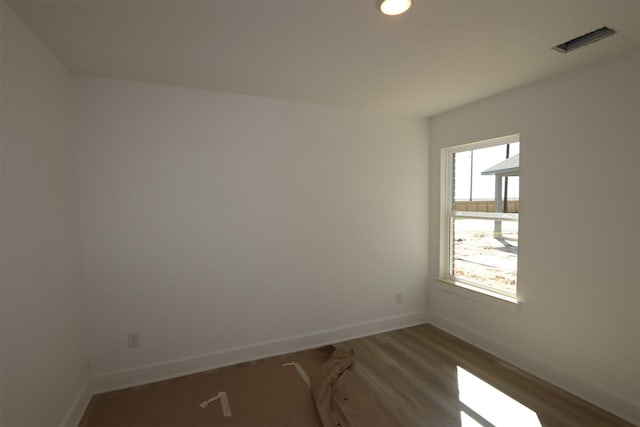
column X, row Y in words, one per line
column 394, row 7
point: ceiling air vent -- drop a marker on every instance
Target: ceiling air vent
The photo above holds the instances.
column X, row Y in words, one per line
column 585, row 39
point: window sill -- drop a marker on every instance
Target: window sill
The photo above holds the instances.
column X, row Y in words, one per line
column 478, row 294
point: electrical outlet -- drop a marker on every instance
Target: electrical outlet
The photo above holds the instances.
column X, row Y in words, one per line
column 133, row 340
column 399, row 298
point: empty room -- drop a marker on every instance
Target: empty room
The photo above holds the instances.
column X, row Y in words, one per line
column 319, row 213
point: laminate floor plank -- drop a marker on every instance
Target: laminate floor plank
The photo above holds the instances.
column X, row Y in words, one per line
column 421, row 374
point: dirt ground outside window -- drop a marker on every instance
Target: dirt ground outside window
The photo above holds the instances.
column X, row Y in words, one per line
column 480, row 255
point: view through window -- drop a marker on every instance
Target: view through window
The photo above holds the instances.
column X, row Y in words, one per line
column 482, row 214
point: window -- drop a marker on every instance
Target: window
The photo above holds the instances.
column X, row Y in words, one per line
column 479, row 220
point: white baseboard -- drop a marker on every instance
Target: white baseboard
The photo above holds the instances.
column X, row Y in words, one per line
column 160, row 371
column 78, row 406
column 593, row 393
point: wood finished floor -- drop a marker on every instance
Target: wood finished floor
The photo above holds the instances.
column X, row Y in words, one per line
column 414, row 371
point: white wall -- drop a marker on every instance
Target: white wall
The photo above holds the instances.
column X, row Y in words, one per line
column 578, row 269
column 43, row 355
column 225, row 227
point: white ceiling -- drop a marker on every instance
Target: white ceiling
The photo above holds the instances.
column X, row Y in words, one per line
column 439, row 55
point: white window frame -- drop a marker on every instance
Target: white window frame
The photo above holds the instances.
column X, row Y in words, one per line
column 447, row 216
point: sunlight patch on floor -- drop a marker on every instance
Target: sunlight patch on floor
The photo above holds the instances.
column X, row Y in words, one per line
column 488, row 405
column 467, row 421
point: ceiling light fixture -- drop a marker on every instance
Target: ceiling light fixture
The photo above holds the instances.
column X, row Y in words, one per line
column 394, row 7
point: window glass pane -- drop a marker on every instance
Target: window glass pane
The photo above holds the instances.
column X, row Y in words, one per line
column 485, row 252
column 512, row 187
column 475, row 191
column 462, row 176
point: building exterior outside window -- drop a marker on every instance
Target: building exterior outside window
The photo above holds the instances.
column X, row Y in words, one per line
column 479, row 215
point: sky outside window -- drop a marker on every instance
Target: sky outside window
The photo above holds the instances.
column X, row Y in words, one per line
column 470, row 184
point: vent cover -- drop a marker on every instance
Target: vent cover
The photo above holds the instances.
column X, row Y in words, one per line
column 585, row 39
